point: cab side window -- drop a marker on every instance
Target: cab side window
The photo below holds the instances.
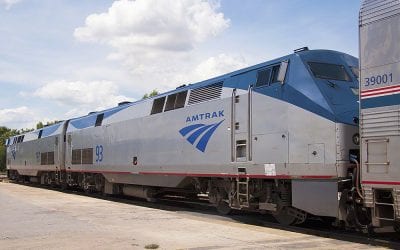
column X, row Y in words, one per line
column 267, row 76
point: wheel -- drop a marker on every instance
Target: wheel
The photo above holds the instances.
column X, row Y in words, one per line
column 224, row 208
column 284, row 218
column 86, row 188
column 64, row 186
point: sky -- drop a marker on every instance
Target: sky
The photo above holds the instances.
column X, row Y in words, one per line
column 61, row 59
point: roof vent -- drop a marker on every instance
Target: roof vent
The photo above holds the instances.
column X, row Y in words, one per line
column 205, row 93
column 93, row 112
column 123, row 103
column 301, row 49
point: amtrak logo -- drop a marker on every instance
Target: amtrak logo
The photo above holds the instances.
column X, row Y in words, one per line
column 202, row 131
column 14, row 153
column 205, row 116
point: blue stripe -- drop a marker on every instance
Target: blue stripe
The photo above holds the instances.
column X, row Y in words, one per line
column 114, row 111
column 47, row 131
column 85, row 122
column 380, row 101
column 90, row 120
column 192, row 138
column 184, row 131
column 202, row 144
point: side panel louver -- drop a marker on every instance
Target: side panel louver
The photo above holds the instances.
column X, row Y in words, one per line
column 206, row 93
column 376, row 10
column 380, row 123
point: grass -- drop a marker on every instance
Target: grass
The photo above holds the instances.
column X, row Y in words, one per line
column 152, row 246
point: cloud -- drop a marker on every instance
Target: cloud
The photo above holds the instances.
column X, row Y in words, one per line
column 21, row 117
column 154, row 39
column 82, row 97
column 218, row 65
column 9, row 3
column 210, row 67
column 174, row 25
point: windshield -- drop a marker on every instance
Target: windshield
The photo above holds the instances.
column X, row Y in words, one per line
column 329, row 71
column 355, row 71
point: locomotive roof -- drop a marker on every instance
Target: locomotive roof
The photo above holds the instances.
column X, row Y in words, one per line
column 216, row 79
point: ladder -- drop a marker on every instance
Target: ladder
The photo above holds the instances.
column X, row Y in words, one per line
column 69, row 178
column 57, row 175
column 242, row 188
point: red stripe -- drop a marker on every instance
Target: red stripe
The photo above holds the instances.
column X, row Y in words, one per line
column 33, row 169
column 380, row 93
column 383, row 88
column 259, row 176
column 97, row 171
column 318, row 176
column 189, row 174
column 243, row 175
column 382, row 182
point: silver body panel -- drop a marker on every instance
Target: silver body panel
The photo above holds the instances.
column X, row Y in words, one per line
column 380, row 106
column 166, row 152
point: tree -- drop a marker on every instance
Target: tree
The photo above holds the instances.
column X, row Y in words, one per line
column 25, row 130
column 39, row 125
column 154, row 92
column 4, row 134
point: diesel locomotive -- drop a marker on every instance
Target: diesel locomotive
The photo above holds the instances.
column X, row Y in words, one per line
column 278, row 137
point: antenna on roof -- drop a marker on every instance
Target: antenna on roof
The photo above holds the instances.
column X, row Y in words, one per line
column 123, row 103
column 183, row 85
column 301, row 49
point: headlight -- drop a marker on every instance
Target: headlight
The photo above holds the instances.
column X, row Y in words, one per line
column 356, row 139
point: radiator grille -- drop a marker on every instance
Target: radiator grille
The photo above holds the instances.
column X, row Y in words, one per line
column 76, row 156
column 82, row 156
column 380, row 123
column 87, row 156
column 47, row 158
column 376, row 10
column 206, row 93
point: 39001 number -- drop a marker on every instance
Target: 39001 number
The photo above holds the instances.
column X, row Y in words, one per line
column 378, row 79
column 99, row 153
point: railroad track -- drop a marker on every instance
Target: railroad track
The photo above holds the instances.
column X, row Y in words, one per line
column 204, row 208
column 311, row 227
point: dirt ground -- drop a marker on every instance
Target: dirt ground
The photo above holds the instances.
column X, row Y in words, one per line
column 36, row 218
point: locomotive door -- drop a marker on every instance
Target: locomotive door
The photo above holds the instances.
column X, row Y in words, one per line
column 241, row 117
column 269, row 131
column 62, row 146
column 61, row 154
